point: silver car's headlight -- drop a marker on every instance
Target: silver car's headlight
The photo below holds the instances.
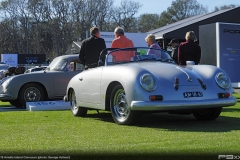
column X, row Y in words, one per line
column 148, row 82
column 222, row 80
column 6, row 83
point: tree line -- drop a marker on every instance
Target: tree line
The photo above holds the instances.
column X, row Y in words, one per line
column 50, row 26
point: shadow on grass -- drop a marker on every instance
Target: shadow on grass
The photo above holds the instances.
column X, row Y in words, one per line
column 179, row 122
column 174, row 122
column 5, row 106
column 189, row 123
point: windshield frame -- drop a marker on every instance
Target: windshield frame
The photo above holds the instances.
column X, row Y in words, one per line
column 165, row 57
column 58, row 64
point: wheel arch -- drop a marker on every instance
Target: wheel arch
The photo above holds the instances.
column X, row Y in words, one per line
column 69, row 93
column 108, row 94
column 40, row 84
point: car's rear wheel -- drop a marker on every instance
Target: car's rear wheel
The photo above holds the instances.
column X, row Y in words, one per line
column 208, row 114
column 76, row 111
column 15, row 103
column 121, row 112
column 31, row 93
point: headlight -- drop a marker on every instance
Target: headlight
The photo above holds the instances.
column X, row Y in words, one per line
column 6, row 83
column 148, row 82
column 222, row 80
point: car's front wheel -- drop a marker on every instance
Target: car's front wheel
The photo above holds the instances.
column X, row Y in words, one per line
column 121, row 112
column 76, row 111
column 31, row 93
column 208, row 114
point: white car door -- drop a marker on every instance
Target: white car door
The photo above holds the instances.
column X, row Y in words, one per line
column 89, row 85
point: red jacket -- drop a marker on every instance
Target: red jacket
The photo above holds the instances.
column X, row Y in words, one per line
column 122, row 42
column 189, row 51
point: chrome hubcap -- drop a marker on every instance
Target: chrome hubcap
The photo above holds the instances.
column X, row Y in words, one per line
column 121, row 109
column 32, row 94
column 73, row 102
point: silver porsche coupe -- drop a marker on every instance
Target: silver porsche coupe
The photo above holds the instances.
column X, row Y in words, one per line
column 132, row 81
column 49, row 84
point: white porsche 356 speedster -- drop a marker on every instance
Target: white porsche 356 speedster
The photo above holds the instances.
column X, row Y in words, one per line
column 131, row 80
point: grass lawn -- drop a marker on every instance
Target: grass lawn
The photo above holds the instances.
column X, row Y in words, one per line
column 4, row 104
column 160, row 136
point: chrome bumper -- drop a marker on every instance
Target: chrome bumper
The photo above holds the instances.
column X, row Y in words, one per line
column 65, row 99
column 6, row 96
column 181, row 105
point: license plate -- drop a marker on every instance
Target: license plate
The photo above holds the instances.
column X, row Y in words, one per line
column 192, row 94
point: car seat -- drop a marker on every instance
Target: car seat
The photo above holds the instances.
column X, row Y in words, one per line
column 10, row 71
column 20, row 70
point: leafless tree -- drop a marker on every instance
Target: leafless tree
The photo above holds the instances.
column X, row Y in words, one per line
column 50, row 26
column 103, row 14
column 124, row 15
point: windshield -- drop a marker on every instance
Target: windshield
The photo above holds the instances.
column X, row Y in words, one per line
column 57, row 64
column 137, row 54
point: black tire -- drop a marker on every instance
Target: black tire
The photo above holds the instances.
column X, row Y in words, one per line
column 31, row 93
column 120, row 110
column 15, row 103
column 76, row 111
column 208, row 114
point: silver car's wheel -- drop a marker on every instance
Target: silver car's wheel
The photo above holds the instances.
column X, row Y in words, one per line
column 31, row 93
column 76, row 111
column 208, row 114
column 120, row 110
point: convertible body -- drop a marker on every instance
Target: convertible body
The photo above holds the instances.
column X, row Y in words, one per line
column 49, row 84
column 149, row 83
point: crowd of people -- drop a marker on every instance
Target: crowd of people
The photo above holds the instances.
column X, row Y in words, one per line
column 92, row 47
column 181, row 52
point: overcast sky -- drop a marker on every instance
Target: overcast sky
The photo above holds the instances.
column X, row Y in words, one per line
column 158, row 6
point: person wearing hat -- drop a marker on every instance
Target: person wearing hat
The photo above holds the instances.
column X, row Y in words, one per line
column 174, row 54
column 189, row 50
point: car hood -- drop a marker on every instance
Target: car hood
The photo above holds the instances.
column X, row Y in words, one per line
column 35, row 74
column 186, row 75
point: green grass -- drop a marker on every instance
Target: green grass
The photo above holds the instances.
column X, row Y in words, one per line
column 5, row 104
column 59, row 133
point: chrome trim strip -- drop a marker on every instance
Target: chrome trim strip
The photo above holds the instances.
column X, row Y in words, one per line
column 189, row 78
column 181, row 105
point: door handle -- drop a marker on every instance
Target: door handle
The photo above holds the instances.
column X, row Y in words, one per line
column 80, row 79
